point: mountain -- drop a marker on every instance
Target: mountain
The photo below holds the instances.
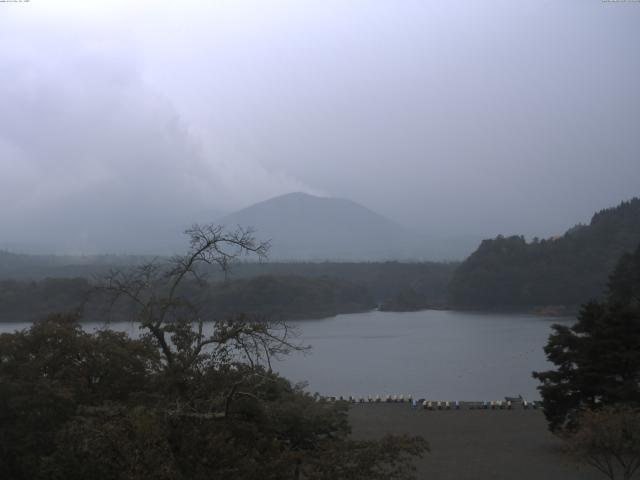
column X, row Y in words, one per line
column 560, row 271
column 306, row 227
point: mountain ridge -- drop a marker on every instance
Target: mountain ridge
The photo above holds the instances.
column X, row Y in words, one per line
column 308, row 227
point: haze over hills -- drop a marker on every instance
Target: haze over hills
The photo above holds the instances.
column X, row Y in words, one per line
column 305, row 227
column 105, row 233
column 302, row 227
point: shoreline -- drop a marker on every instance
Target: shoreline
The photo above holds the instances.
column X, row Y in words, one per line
column 560, row 312
column 324, row 316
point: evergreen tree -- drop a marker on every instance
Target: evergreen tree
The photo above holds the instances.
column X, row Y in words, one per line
column 598, row 358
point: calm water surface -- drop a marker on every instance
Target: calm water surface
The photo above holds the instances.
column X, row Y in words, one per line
column 431, row 354
column 435, row 354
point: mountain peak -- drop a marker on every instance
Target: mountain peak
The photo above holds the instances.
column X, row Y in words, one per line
column 297, row 195
column 302, row 226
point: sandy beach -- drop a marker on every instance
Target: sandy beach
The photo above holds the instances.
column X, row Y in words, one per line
column 474, row 444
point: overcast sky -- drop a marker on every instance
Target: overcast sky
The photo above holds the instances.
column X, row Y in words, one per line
column 454, row 117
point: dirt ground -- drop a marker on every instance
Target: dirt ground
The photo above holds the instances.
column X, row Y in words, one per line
column 474, row 444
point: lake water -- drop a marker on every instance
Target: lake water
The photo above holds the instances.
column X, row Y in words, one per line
column 433, row 354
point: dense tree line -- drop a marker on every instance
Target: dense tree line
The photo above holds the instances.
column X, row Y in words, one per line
column 408, row 300
column 29, row 300
column 289, row 296
column 381, row 279
column 509, row 272
column 269, row 296
column 289, row 290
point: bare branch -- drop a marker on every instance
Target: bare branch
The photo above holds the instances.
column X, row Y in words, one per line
column 174, row 322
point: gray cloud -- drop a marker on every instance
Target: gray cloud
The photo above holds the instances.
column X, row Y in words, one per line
column 93, row 158
column 453, row 117
column 87, row 146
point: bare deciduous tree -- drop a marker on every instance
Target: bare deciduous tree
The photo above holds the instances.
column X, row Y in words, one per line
column 175, row 321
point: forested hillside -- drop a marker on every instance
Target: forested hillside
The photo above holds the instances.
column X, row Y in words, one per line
column 266, row 296
column 288, row 297
column 34, row 285
column 382, row 280
column 509, row 272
